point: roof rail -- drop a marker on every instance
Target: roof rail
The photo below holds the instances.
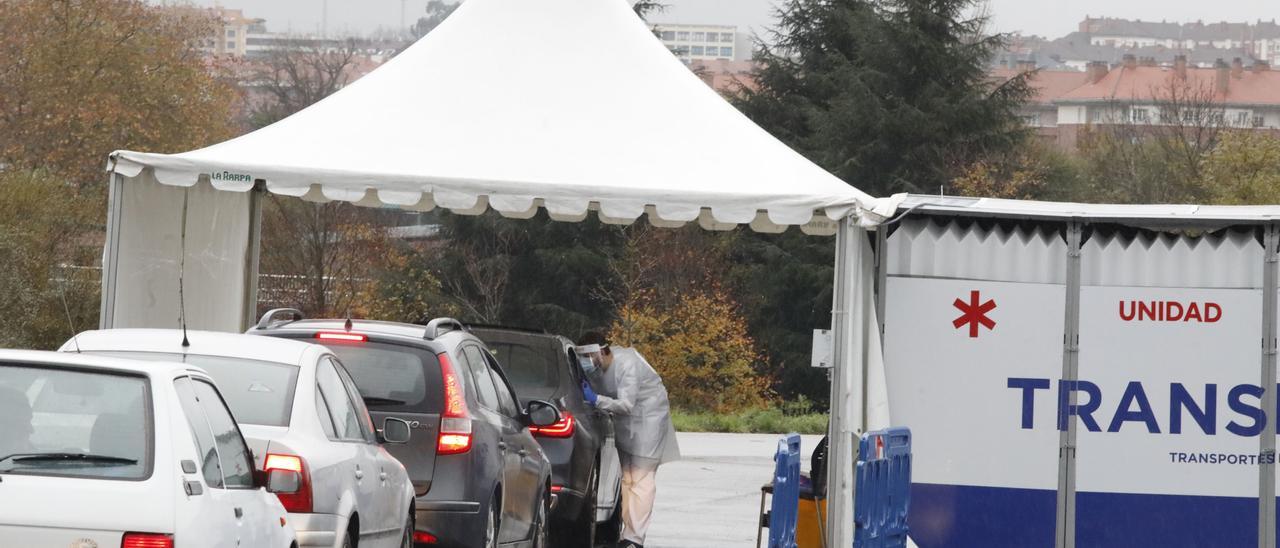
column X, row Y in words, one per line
column 434, row 327
column 265, row 322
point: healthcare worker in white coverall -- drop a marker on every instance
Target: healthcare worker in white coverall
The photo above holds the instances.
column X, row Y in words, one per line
column 633, row 393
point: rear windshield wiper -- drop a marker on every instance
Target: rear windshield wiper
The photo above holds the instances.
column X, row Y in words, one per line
column 81, row 457
column 381, row 402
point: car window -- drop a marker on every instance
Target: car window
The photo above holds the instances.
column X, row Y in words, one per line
column 206, row 447
column 528, row 367
column 346, row 422
column 505, row 398
column 258, row 392
column 233, row 454
column 54, row 410
column 324, row 416
column 393, row 377
column 362, row 412
column 479, row 374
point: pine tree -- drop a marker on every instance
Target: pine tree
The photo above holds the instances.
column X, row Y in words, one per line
column 889, row 95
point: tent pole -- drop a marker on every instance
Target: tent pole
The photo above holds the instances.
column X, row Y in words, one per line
column 849, row 330
column 253, row 255
column 111, row 252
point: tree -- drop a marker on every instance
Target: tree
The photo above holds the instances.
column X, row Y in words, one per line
column 437, row 12
column 296, row 76
column 1244, row 168
column 1032, row 171
column 889, row 95
column 43, row 228
column 644, row 8
column 1134, row 153
column 81, row 78
column 700, row 347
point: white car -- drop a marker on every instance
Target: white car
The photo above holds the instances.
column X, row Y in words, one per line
column 106, row 452
column 300, row 413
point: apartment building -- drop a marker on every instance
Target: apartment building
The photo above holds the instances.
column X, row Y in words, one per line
column 699, row 42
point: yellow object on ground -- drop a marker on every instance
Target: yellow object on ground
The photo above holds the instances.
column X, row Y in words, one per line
column 810, row 522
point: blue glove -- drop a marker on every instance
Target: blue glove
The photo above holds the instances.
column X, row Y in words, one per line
column 588, row 394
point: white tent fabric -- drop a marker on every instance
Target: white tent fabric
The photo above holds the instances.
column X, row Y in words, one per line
column 569, row 105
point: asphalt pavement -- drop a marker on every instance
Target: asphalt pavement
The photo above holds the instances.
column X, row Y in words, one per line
column 711, row 498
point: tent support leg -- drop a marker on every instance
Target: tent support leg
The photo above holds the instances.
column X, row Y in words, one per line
column 111, row 252
column 1267, row 441
column 253, row 253
column 848, row 374
column 1065, row 536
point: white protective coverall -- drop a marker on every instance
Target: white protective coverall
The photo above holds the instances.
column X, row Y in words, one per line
column 633, row 392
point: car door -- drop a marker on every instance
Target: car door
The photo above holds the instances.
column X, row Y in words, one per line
column 379, row 473
column 351, row 470
column 532, row 462
column 252, row 516
column 515, row 519
column 206, row 519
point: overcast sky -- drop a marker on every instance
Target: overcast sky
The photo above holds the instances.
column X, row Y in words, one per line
column 1052, row 18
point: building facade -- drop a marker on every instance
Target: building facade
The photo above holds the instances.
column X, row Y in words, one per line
column 699, row 42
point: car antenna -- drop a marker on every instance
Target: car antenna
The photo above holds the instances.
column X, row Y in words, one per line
column 182, row 271
column 71, row 324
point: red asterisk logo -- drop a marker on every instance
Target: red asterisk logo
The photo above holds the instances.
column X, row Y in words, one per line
column 974, row 314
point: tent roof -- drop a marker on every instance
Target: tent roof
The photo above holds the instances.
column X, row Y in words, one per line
column 571, row 105
column 1153, row 215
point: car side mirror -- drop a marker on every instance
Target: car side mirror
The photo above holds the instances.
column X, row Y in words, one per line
column 541, row 413
column 283, row 481
column 394, row 431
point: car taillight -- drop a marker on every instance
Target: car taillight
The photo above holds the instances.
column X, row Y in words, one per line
column 562, row 428
column 424, row 538
column 146, row 540
column 298, row 501
column 455, row 425
column 347, row 337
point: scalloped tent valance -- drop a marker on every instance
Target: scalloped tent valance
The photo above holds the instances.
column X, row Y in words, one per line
column 515, row 105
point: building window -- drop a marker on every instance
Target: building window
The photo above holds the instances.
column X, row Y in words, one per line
column 682, row 36
column 699, row 37
column 1139, row 116
column 1258, row 121
column 669, row 35
column 231, row 45
column 726, row 37
column 231, row 33
column 1031, row 120
column 1242, row 119
column 697, row 50
column 726, row 52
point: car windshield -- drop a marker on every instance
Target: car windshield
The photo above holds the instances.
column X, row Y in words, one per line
column 76, row 423
column 258, row 392
column 392, row 377
column 534, row 371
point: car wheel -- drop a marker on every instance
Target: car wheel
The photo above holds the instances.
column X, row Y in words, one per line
column 540, row 523
column 346, row 540
column 407, row 541
column 491, row 526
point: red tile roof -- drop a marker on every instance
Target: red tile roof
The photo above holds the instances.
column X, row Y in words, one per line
column 1143, row 83
column 1049, row 85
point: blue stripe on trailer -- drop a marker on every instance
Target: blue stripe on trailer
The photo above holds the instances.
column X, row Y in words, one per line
column 1112, row 519
column 966, row 516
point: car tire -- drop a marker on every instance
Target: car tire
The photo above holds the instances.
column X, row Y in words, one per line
column 491, row 526
column 540, row 522
column 407, row 541
column 580, row 532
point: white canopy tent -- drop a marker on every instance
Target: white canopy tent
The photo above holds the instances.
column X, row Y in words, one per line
column 567, row 105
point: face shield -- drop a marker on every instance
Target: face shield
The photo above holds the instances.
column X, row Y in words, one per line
column 590, row 357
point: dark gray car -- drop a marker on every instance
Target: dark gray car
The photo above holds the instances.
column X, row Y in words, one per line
column 584, row 459
column 480, row 478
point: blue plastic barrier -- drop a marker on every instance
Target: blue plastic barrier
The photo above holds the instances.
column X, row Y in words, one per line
column 883, row 491
column 785, row 508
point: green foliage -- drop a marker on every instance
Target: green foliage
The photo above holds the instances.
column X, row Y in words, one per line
column 437, row 12
column 797, row 416
column 1244, row 168
column 889, row 95
column 43, row 229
